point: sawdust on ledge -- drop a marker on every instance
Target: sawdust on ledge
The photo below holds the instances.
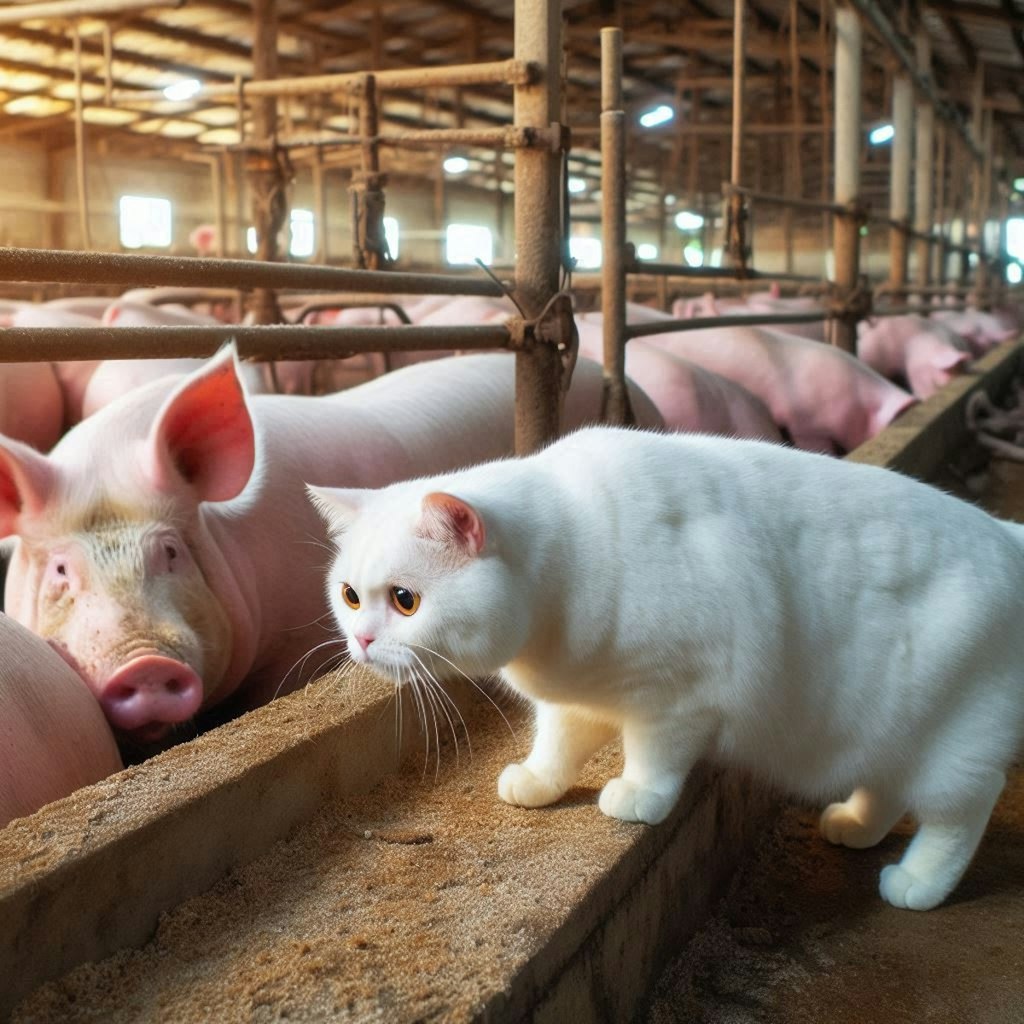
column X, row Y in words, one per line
column 411, row 903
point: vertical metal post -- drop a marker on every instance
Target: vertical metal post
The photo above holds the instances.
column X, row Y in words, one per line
column 219, row 220
column 796, row 177
column 80, row 167
column 615, row 405
column 847, row 168
column 368, row 186
column 940, row 253
column 320, row 222
column 899, row 192
column 982, row 282
column 266, row 171
column 538, row 37
column 735, row 234
column 924, row 163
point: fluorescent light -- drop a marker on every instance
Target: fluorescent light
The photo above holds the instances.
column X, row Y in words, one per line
column 576, row 185
column 646, row 251
column 456, row 165
column 1018, row 184
column 670, row 199
column 881, row 135
column 657, row 115
column 687, row 220
column 1013, row 273
column 183, row 90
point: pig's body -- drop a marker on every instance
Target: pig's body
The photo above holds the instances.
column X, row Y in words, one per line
column 826, row 400
column 981, row 330
column 31, row 403
column 688, row 397
column 126, row 313
column 924, row 353
column 167, row 547
column 53, row 736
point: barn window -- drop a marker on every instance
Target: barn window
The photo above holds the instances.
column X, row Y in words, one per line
column 145, row 221
column 391, row 235
column 250, row 239
column 302, row 233
column 466, row 243
column 586, row 252
column 646, row 251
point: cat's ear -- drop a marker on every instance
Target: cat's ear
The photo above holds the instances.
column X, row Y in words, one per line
column 338, row 507
column 451, row 521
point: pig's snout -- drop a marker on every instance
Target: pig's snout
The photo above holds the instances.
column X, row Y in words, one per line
column 149, row 691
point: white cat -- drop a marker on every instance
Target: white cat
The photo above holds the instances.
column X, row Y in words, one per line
column 834, row 627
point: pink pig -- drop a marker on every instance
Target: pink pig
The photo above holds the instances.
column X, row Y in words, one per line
column 31, row 403
column 980, row 330
column 164, row 547
column 53, row 736
column 687, row 396
column 825, row 399
column 910, row 348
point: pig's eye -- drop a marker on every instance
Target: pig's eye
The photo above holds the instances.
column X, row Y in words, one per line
column 171, row 552
column 62, row 569
column 405, row 601
column 349, row 596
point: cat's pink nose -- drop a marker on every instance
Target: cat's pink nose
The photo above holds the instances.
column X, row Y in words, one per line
column 364, row 640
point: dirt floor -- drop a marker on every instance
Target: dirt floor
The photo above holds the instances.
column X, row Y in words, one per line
column 804, row 938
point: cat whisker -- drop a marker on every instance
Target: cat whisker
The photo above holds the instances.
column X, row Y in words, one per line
column 432, row 703
column 433, row 686
column 472, row 682
column 421, row 711
column 301, row 662
column 445, row 696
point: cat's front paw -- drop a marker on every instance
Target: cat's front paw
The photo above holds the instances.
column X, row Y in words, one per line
column 840, row 826
column 518, row 785
column 909, row 892
column 629, row 802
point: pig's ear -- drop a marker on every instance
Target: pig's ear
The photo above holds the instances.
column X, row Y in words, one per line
column 338, row 507
column 949, row 358
column 204, row 435
column 453, row 522
column 27, row 480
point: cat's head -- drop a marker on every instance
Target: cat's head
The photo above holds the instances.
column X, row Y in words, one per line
column 420, row 582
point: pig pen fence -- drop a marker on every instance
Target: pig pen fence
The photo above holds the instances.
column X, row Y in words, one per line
column 849, row 297
column 94, row 873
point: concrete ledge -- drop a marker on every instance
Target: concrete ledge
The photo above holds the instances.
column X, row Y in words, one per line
column 309, row 783
column 91, row 873
column 920, row 439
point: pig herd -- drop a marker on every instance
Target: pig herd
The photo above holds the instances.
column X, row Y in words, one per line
column 156, row 528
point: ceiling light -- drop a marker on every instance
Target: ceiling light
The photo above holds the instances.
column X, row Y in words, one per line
column 657, row 115
column 689, row 221
column 456, row 165
column 881, row 135
column 576, row 185
column 183, row 90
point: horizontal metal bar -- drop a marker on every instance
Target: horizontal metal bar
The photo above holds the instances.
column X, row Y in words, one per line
column 18, row 14
column 58, row 265
column 48, row 344
column 724, row 273
column 494, row 138
column 771, row 199
column 698, row 323
column 500, row 72
column 916, row 310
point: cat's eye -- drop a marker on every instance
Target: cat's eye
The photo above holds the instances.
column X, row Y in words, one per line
column 405, row 601
column 349, row 596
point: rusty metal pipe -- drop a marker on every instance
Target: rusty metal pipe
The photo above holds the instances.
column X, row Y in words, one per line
column 699, row 323
column 188, row 271
column 276, row 341
column 503, row 72
column 615, row 403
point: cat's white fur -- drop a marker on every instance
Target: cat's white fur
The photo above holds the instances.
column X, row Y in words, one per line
column 834, row 627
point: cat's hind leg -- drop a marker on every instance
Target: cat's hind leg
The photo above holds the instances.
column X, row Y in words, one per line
column 862, row 821
column 939, row 854
column 564, row 741
column 659, row 756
